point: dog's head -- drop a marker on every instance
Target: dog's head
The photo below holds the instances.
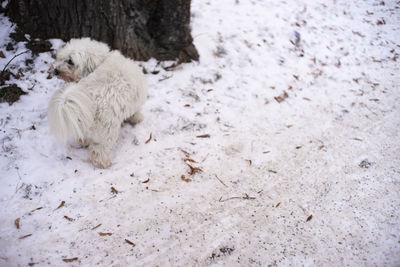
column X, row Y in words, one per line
column 78, row 58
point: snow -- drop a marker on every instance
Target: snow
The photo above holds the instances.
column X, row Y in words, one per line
column 330, row 149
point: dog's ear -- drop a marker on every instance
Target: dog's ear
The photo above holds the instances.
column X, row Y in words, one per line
column 91, row 63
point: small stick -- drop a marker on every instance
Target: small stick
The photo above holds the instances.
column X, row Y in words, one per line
column 12, row 60
column 245, row 197
column 220, row 180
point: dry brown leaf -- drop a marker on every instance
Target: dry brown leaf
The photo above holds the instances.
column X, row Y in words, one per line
column 70, row 260
column 187, row 180
column 309, row 218
column 69, row 219
column 61, row 205
column 130, row 243
column 185, row 152
column 193, row 170
column 104, row 234
column 203, row 136
column 190, row 160
column 16, row 223
column 282, row 97
column 114, row 191
column 150, row 137
column 37, row 209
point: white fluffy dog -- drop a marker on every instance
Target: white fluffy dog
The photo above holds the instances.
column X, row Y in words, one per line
column 104, row 90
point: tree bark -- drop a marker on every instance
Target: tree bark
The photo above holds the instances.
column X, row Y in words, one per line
column 140, row 29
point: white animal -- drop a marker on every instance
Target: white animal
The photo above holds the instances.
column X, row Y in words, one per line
column 104, row 90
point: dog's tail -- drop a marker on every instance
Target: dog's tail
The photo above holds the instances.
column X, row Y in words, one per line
column 71, row 112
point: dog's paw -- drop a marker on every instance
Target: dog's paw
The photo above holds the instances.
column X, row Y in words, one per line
column 83, row 142
column 99, row 162
column 135, row 119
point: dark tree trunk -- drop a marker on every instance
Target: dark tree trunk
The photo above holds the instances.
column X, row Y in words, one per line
column 140, row 29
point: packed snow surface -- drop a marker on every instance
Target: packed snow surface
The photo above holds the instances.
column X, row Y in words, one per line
column 281, row 146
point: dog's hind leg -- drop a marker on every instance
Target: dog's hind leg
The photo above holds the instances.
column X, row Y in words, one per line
column 103, row 140
column 135, row 118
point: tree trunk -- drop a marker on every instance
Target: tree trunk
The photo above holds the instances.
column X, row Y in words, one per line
column 140, row 29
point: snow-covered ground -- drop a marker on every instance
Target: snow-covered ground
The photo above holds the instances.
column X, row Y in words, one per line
column 291, row 124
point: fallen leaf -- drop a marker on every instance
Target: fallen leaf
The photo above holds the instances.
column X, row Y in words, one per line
column 381, row 22
column 148, row 140
column 16, row 222
column 358, row 33
column 193, row 170
column 69, row 219
column 104, row 234
column 309, row 218
column 203, row 136
column 282, row 97
column 185, row 152
column 190, row 160
column 70, row 260
column 114, row 191
column 187, row 180
column 37, row 209
column 61, row 205
column 130, row 242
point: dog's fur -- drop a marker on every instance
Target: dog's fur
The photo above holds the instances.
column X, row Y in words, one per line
column 104, row 90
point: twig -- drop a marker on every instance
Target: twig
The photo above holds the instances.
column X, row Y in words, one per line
column 12, row 60
column 230, row 198
column 220, row 180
